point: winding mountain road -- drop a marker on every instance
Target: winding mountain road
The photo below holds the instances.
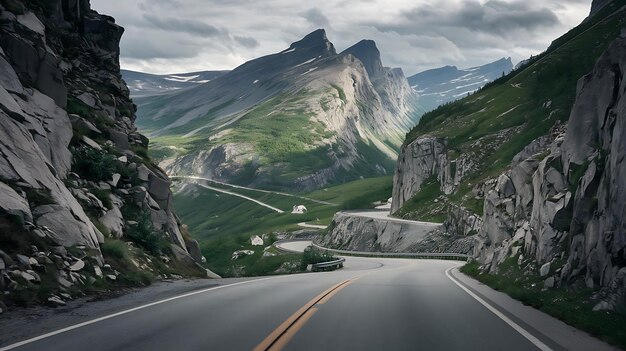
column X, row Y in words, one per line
column 253, row 189
column 278, row 210
column 371, row 304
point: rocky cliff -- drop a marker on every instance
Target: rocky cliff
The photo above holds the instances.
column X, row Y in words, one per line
column 358, row 233
column 564, row 213
column 74, row 172
column 529, row 166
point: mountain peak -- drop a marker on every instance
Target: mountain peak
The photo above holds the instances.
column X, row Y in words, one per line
column 368, row 53
column 315, row 40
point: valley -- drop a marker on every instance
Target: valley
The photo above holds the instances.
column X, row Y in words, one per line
column 225, row 223
column 286, row 191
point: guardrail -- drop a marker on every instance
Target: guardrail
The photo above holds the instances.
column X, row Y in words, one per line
column 415, row 255
column 330, row 265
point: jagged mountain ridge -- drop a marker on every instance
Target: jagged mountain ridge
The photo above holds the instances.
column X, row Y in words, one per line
column 346, row 121
column 145, row 84
column 441, row 85
column 74, row 185
column 528, row 167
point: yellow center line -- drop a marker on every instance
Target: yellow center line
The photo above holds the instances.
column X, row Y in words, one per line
column 285, row 332
column 291, row 332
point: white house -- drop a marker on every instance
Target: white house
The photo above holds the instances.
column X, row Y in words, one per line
column 300, row 209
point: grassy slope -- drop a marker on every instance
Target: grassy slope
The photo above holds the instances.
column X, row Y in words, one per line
column 224, row 223
column 515, row 101
column 282, row 132
column 573, row 308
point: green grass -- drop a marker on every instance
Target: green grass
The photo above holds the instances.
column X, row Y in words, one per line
column 224, row 223
column 340, row 93
column 376, row 189
column 572, row 307
column 515, row 103
column 219, row 251
column 423, row 206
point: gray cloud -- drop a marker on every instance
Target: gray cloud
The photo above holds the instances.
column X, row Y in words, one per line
column 191, row 35
column 180, row 25
column 247, row 42
column 493, row 17
column 316, row 17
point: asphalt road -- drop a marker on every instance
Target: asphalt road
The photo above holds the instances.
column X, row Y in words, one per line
column 371, row 304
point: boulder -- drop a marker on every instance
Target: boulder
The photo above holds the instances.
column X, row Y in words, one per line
column 194, row 250
column 65, row 229
column 545, row 269
column 82, row 124
column 56, row 301
column 241, row 253
column 113, row 221
column 120, row 139
column 10, row 106
column 77, row 266
column 23, row 260
column 14, row 204
column 115, row 179
column 89, row 142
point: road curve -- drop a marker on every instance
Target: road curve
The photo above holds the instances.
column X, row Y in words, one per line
column 384, row 215
column 371, row 304
column 278, row 210
column 312, row 226
column 253, row 189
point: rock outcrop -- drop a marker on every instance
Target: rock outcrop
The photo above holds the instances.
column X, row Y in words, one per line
column 358, row 233
column 417, row 162
column 73, row 168
column 565, row 212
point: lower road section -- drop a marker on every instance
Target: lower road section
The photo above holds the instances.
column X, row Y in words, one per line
column 371, row 304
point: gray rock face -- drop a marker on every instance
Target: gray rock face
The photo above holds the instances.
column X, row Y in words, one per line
column 355, row 233
column 14, row 204
column 38, row 76
column 571, row 205
column 418, row 161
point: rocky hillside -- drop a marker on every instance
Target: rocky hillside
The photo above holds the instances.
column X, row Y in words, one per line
column 81, row 205
column 298, row 119
column 561, row 212
column 530, row 166
column 145, row 84
column 351, row 232
column 442, row 85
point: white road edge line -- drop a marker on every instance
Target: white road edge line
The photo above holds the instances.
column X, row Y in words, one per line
column 117, row 314
column 538, row 343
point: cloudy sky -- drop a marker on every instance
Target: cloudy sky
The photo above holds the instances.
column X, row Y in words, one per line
column 168, row 36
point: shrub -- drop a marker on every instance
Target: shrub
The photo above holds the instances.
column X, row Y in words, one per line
column 104, row 196
column 93, row 164
column 39, row 197
column 314, row 255
column 113, row 248
column 144, row 235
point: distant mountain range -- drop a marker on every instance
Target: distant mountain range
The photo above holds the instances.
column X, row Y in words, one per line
column 146, row 84
column 298, row 119
column 441, row 85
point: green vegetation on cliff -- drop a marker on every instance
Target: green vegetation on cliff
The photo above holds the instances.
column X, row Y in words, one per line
column 497, row 122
